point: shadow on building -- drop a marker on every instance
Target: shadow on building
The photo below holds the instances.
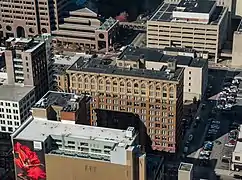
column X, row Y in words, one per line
column 122, row 120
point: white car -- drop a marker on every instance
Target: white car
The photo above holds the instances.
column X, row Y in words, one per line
column 215, row 122
column 214, row 126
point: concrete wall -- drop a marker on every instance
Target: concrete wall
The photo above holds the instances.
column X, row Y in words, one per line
column 237, row 49
column 67, row 168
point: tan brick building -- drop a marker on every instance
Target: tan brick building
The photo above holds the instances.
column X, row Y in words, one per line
column 155, row 96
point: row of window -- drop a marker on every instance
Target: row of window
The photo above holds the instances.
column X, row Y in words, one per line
column 9, row 123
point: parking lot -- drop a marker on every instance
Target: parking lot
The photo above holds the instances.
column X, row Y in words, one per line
column 213, row 138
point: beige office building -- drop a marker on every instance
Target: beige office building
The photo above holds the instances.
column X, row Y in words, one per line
column 199, row 25
column 155, row 96
column 195, row 72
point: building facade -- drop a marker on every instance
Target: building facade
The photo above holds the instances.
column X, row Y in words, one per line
column 155, row 96
column 237, row 53
column 67, row 151
column 15, row 104
column 65, row 107
column 26, row 64
column 195, row 72
column 26, row 19
column 172, row 26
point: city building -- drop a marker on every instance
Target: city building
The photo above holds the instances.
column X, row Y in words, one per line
column 236, row 160
column 185, row 171
column 27, row 19
column 237, row 53
column 60, row 64
column 49, row 57
column 15, row 104
column 26, row 64
column 73, row 26
column 64, row 107
column 3, row 77
column 199, row 25
column 68, row 151
column 195, row 73
column 155, row 96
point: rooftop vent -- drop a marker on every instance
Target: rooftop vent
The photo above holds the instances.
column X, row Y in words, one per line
column 130, row 132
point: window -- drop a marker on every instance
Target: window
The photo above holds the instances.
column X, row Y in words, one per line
column 189, row 90
column 190, row 72
column 190, row 78
column 3, row 128
column 10, row 129
column 189, row 84
column 237, row 158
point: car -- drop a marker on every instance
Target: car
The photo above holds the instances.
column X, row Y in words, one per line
column 215, row 122
column 231, row 143
column 214, row 127
column 190, row 137
column 236, row 176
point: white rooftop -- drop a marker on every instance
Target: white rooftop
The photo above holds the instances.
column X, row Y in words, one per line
column 37, row 129
column 20, row 40
column 14, row 92
column 238, row 147
column 66, row 59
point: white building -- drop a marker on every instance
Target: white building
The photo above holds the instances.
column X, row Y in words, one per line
column 15, row 104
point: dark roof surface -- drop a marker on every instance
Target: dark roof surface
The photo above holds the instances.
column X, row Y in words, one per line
column 132, row 53
column 96, row 65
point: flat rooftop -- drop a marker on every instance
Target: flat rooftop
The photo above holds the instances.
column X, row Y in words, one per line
column 36, row 129
column 164, row 12
column 185, row 167
column 66, row 59
column 238, row 147
column 25, row 44
column 132, row 53
column 102, row 66
column 196, row 6
column 14, row 92
column 54, row 98
column 108, row 24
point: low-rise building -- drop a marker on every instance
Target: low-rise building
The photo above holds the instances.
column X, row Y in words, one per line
column 67, row 151
column 15, row 104
column 64, row 107
column 195, row 73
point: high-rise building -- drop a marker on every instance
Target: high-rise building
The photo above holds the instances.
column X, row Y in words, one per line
column 15, row 104
column 65, row 107
column 73, row 26
column 26, row 64
column 199, row 25
column 66, row 151
column 27, row 18
column 156, row 96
